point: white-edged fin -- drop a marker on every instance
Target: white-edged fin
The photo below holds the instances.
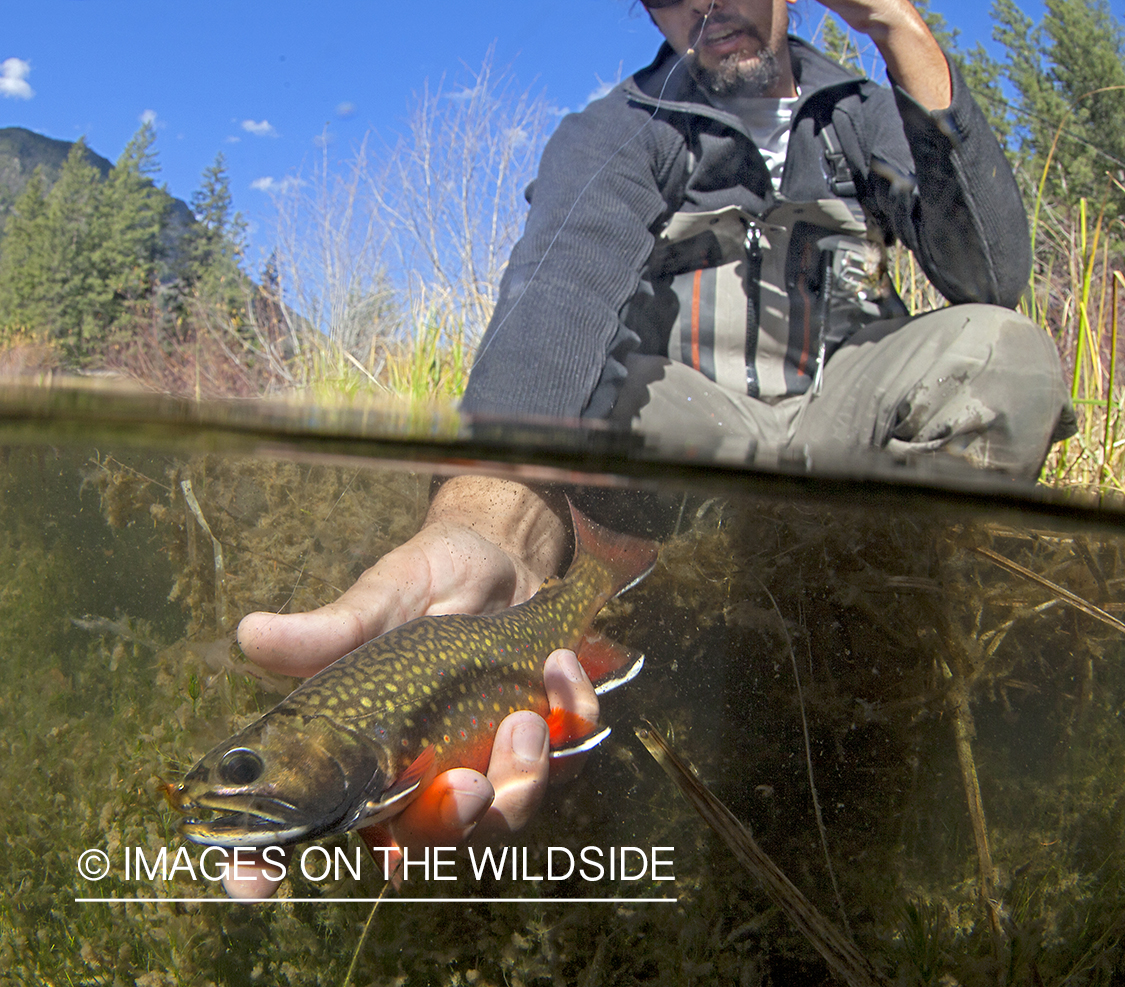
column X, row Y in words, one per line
column 373, row 812
column 400, row 794
column 200, row 833
column 629, row 586
column 582, row 744
column 621, row 676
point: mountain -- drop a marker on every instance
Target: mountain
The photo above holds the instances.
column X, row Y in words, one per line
column 21, row 151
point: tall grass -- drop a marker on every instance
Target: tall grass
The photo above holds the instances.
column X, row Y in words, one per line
column 1075, row 296
column 392, row 257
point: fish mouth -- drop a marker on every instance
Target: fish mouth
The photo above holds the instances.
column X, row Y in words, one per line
column 244, row 821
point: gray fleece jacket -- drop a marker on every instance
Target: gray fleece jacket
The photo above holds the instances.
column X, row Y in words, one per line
column 612, row 176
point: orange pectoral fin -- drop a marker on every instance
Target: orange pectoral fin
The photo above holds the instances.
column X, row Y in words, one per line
column 608, row 663
column 572, row 734
column 404, row 789
column 417, row 776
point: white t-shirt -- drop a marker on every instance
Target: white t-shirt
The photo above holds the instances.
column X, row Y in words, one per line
column 767, row 121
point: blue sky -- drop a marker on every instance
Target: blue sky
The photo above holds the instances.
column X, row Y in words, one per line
column 261, row 81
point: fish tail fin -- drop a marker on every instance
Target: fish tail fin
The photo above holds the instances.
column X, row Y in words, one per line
column 628, row 558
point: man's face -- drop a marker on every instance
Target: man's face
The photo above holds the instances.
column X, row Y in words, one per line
column 739, row 45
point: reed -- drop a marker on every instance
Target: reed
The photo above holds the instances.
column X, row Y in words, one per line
column 1075, row 296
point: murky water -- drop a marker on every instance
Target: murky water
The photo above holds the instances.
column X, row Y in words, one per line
column 870, row 644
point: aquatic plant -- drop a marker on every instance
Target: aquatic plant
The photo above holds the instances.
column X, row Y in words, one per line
column 915, row 648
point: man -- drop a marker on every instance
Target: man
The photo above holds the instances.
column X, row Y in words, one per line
column 673, row 278
column 600, row 316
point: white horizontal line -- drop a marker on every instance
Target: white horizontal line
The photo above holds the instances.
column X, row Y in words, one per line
column 386, row 901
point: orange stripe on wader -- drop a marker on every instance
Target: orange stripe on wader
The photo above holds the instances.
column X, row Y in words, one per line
column 696, row 284
column 806, row 347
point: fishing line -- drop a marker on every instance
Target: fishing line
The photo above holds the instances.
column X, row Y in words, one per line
column 363, row 935
column 808, row 760
column 566, row 219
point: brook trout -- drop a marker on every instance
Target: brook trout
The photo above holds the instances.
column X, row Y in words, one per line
column 357, row 742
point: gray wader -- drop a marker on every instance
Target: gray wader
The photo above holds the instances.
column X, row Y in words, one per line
column 977, row 381
column 780, row 338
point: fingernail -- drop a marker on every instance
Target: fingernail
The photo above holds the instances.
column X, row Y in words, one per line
column 460, row 809
column 528, row 740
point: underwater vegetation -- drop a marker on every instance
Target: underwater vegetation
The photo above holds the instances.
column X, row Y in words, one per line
column 919, row 725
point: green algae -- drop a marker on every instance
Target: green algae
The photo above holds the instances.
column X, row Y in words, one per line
column 116, row 634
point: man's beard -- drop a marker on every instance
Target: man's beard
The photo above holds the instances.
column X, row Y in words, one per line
column 735, row 75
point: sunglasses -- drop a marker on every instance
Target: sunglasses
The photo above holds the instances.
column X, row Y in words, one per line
column 658, row 4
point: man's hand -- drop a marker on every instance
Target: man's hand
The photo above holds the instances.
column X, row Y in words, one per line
column 487, row 544
column 914, row 59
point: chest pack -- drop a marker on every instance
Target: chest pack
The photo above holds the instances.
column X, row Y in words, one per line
column 759, row 303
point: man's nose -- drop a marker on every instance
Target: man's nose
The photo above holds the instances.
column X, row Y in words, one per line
column 704, row 7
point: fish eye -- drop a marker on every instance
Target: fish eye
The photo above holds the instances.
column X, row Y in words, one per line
column 240, row 766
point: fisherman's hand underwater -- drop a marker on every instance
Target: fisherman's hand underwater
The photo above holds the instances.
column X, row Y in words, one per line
column 486, row 544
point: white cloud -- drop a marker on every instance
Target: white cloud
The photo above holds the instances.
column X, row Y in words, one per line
column 517, row 137
column 345, row 110
column 13, row 79
column 263, row 129
column 271, row 185
column 604, row 87
column 464, row 94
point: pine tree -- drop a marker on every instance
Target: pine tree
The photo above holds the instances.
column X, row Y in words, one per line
column 216, row 244
column 69, row 293
column 24, row 262
column 1070, row 79
column 839, row 45
column 132, row 222
column 76, row 258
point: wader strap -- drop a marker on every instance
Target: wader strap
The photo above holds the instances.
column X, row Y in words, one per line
column 838, row 172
